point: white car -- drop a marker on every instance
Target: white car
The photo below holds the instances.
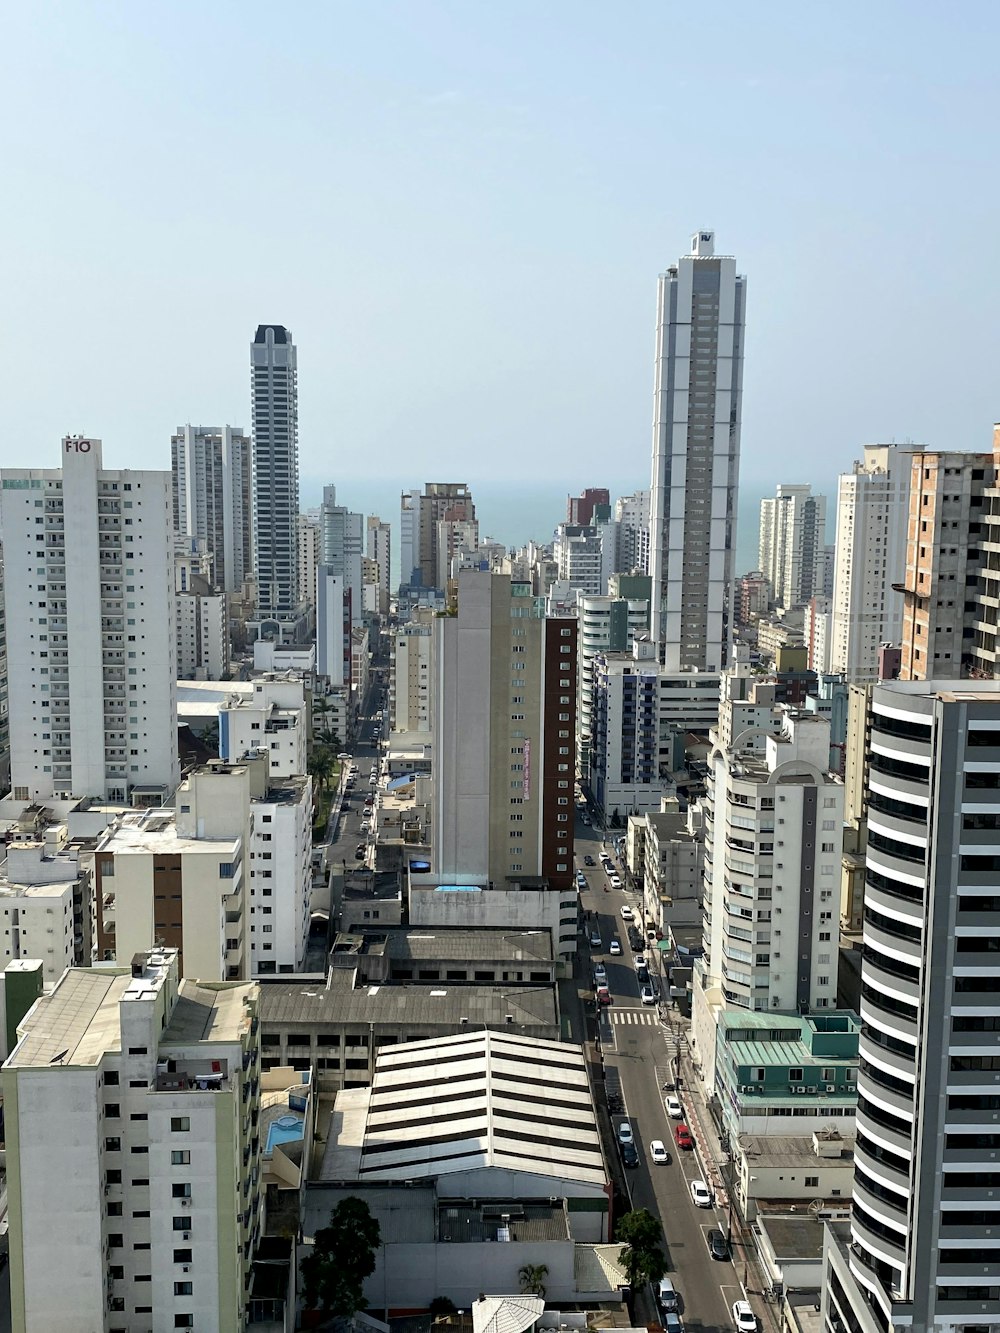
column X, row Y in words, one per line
column 673, row 1108
column 614, row 947
column 627, row 913
column 647, row 995
column 639, row 961
column 744, row 1317
column 365, row 826
column 658, row 1151
column 625, row 1132
column 615, row 881
column 701, row 1195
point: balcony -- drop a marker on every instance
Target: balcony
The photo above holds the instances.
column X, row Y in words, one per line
column 191, row 1076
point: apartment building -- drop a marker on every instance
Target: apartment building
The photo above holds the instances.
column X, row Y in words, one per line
column 44, row 895
column 308, row 544
column 377, row 536
column 88, row 564
column 211, row 493
column 631, row 516
column 697, row 402
column 608, row 623
column 584, row 556
column 274, row 718
column 131, row 1109
column 920, row 1251
column 503, row 718
column 410, row 674
column 580, row 508
column 342, row 548
column 872, row 514
column 333, row 627
column 792, row 544
column 275, row 474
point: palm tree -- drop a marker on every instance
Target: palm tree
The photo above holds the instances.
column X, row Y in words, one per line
column 532, row 1278
column 321, row 765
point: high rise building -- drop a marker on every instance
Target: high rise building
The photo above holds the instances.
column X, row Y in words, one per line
column 792, row 544
column 307, row 536
column 131, row 1109
column 342, row 548
column 585, row 556
column 503, row 715
column 632, row 533
column 92, row 672
column 210, row 467
column 410, row 674
column 580, row 508
column 698, row 389
column 202, row 613
column 920, row 1250
column 378, row 550
column 275, row 398
column 608, row 624
column 4, row 701
column 446, row 501
column 872, row 512
column 409, row 538
column 333, row 628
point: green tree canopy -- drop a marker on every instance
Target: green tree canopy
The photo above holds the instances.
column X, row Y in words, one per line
column 343, row 1255
column 642, row 1258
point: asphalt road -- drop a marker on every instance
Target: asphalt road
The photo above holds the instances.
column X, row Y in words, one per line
column 635, row 1042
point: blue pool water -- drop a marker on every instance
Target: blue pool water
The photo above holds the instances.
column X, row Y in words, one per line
column 285, row 1130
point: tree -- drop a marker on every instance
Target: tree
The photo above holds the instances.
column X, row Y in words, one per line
column 532, row 1278
column 343, row 1255
column 321, row 764
column 641, row 1257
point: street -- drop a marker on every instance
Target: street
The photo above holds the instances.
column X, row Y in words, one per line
column 634, row 1041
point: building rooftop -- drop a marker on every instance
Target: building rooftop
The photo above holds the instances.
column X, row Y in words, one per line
column 793, row 1237
column 208, row 1012
column 155, row 832
column 76, row 1023
column 502, row 945
column 339, row 1002
column 774, row 1150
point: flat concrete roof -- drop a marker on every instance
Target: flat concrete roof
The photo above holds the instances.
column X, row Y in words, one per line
column 207, row 1013
column 793, row 1237
column 502, row 945
column 156, row 834
column 791, row 1150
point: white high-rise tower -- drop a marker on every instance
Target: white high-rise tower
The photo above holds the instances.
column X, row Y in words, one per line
column 211, row 473
column 274, row 385
column 696, row 452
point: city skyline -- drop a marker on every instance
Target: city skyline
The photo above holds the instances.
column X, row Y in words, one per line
column 440, row 236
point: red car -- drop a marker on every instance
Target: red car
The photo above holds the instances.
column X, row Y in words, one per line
column 682, row 1137
column 603, row 995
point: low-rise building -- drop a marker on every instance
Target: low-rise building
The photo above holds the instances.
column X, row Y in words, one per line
column 475, row 902
column 274, row 718
column 45, row 899
column 673, row 866
column 478, row 957
column 132, row 1107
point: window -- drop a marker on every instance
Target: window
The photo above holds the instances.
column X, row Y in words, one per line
column 137, row 1050
column 180, row 1124
column 182, row 1288
column 182, row 1256
column 180, row 1191
column 111, row 1078
column 226, row 870
column 183, row 1321
column 112, row 1145
column 812, row 1182
column 182, row 1223
column 112, row 1110
column 795, row 1076
column 180, row 1157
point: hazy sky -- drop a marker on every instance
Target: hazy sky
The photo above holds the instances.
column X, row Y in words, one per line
column 460, row 209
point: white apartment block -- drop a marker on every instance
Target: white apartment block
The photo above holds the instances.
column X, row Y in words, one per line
column 280, row 876
column 632, row 533
column 275, row 400
column 309, row 559
column 873, row 505
column 361, row 657
column 88, row 555
column 456, row 540
column 202, row 636
column 210, row 467
column 584, row 556
column 274, row 719
column 607, row 624
column 342, row 548
column 378, row 548
column 131, row 1107
column 792, row 544
column 40, row 887
column 333, row 628
column 697, row 397
column 410, row 675
column 773, row 827
column 409, row 537
column 817, row 629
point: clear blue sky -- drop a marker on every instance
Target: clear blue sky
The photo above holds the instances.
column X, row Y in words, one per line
column 460, row 209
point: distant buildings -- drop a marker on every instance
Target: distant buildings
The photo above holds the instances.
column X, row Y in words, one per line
column 210, row 469
column 584, row 556
column 274, row 387
column 88, row 565
column 631, row 517
column 133, row 1152
column 792, row 544
column 696, row 452
column 580, row 508
column 422, row 536
column 378, row 548
column 342, row 548
column 607, row 623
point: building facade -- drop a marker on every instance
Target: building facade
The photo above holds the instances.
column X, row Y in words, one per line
column 210, row 468
column 378, row 548
column 697, row 397
column 342, row 548
column 275, row 454
column 792, row 544
column 92, row 671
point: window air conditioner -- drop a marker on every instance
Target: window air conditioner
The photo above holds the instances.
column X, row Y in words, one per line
column 186, row 1235
column 185, row 1203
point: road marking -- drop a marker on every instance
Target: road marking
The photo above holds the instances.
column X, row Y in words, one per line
column 622, row 1016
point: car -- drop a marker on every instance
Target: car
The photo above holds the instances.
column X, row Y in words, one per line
column 353, row 770
column 634, row 938
column 718, row 1246
column 666, row 1295
column 360, row 851
column 658, row 1152
column 682, row 1137
column 614, row 947
column 603, row 995
column 605, row 860
column 615, row 881
column 673, row 1108
column 627, row 913
column 589, row 861
column 585, row 819
column 647, row 995
column 630, row 1155
column 343, row 755
column 744, row 1317
column 369, row 802
column 639, row 961
column 600, row 975
column 595, row 940
column 365, row 826
column 642, row 976
column 625, row 1134
column 701, row 1195
column 672, row 1323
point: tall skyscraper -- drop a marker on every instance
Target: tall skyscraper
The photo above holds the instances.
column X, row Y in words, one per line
column 92, row 669
column 698, row 389
column 872, row 511
column 378, row 550
column 792, row 544
column 921, row 1250
column 275, row 396
column 442, row 500
column 409, row 538
column 503, row 715
column 342, row 548
column 210, row 466
column 632, row 535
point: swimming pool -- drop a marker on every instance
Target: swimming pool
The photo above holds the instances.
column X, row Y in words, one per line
column 286, row 1129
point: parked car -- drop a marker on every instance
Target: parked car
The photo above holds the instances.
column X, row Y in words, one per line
column 627, row 913
column 595, row 940
column 647, row 995
column 359, row 851
column 744, row 1317
column 672, row 1323
column 614, row 947
column 630, row 1155
column 365, row 826
column 625, row 1134
column 701, row 1195
column 682, row 1137
column 581, row 880
column 585, row 819
column 615, row 881
column 718, row 1246
column 603, row 995
column 589, row 861
column 600, row 975
column 634, row 938
column 658, row 1153
column 673, row 1108
column 666, row 1295
column 639, row 960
